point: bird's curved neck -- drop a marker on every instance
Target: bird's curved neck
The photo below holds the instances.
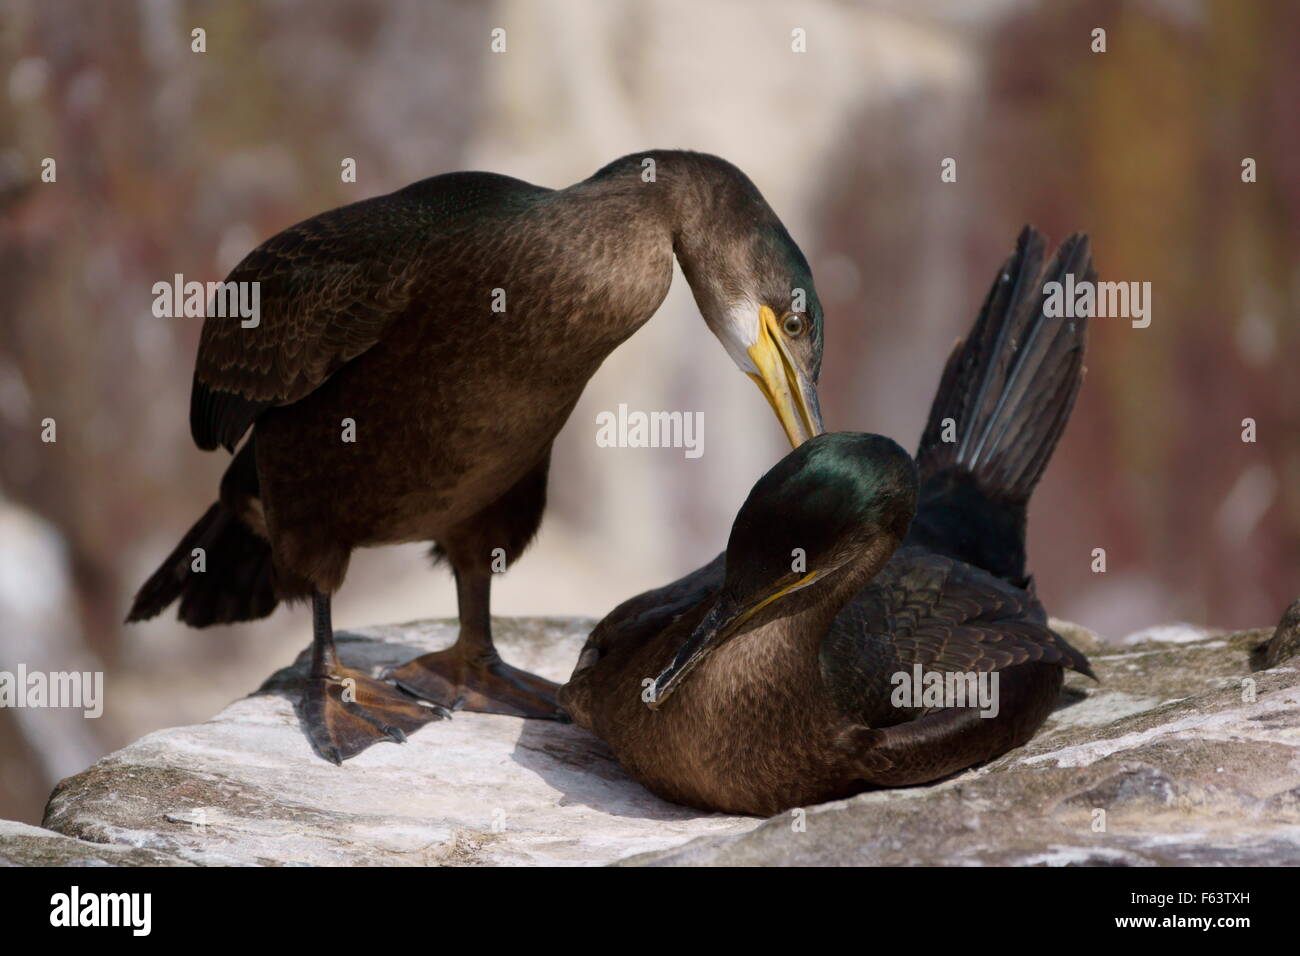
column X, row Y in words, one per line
column 803, row 617
column 778, row 652
column 687, row 193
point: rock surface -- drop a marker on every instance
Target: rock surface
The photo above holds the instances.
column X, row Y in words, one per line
column 246, row 787
column 1182, row 755
column 24, row 845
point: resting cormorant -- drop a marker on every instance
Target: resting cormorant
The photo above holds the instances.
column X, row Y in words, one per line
column 766, row 680
column 415, row 356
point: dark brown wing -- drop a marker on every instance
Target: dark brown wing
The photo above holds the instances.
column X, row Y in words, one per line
column 330, row 288
column 945, row 615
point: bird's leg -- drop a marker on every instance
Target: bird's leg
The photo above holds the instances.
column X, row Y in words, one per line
column 470, row 675
column 344, row 711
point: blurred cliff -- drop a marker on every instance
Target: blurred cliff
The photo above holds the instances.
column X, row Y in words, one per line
column 171, row 161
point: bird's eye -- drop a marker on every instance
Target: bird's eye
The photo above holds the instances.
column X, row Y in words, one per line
column 793, row 325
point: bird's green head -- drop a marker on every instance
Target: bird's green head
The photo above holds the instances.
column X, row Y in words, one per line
column 838, row 501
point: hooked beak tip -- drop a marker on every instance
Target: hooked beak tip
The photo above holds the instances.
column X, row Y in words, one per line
column 659, row 691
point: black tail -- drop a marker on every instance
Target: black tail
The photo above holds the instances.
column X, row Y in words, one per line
column 236, row 582
column 1002, row 404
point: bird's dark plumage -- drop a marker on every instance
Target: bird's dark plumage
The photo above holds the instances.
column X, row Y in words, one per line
column 948, row 616
column 414, row 356
column 331, row 288
column 794, row 703
column 1008, row 390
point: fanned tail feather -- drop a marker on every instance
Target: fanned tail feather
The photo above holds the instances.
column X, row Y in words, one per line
column 1005, row 396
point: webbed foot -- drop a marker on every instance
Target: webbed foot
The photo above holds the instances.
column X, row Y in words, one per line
column 486, row 685
column 348, row 711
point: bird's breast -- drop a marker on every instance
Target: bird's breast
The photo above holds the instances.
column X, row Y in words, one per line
column 751, row 730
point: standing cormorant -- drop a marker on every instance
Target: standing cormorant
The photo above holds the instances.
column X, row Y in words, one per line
column 415, row 356
column 767, row 679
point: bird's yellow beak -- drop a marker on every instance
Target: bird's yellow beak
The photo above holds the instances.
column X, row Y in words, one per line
column 786, row 386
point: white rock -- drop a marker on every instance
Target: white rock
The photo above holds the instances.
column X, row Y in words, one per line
column 246, row 787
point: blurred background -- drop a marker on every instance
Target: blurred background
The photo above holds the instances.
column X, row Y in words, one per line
column 172, row 161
